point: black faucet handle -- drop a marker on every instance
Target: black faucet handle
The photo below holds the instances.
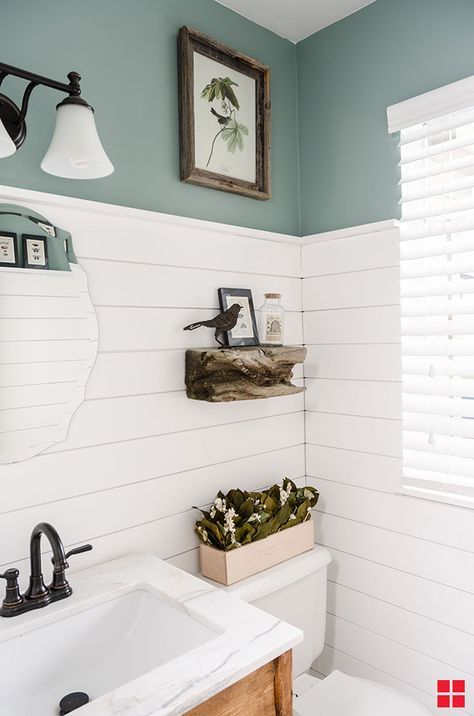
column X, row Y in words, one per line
column 12, row 596
column 76, row 550
column 79, row 550
column 60, row 583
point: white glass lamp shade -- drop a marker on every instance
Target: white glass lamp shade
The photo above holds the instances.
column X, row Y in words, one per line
column 75, row 151
column 7, row 145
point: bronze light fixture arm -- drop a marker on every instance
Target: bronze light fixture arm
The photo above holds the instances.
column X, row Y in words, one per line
column 14, row 118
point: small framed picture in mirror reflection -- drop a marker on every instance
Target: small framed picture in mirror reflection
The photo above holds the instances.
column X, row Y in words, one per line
column 35, row 252
column 8, row 249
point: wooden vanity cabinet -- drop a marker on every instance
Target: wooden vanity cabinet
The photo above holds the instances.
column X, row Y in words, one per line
column 265, row 692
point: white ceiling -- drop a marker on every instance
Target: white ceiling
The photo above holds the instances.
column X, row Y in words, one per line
column 295, row 19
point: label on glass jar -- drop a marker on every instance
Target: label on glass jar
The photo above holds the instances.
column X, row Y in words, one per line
column 273, row 328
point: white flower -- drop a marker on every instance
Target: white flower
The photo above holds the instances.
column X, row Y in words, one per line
column 292, row 516
column 229, row 525
column 254, row 518
column 203, row 532
column 212, row 511
column 284, row 494
column 220, row 504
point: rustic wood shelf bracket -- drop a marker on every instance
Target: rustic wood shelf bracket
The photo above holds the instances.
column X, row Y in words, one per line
column 222, row 375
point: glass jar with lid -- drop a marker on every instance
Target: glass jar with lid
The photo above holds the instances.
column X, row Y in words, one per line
column 271, row 320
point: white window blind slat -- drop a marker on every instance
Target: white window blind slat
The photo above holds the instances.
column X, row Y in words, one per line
column 440, row 445
column 452, row 161
column 438, row 346
column 441, row 385
column 437, row 366
column 437, row 303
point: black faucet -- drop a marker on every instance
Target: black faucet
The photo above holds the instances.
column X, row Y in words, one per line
column 38, row 594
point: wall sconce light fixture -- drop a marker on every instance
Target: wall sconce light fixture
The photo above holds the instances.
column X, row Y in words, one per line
column 75, row 151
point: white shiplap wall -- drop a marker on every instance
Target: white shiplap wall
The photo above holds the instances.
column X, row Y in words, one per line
column 139, row 454
column 401, row 584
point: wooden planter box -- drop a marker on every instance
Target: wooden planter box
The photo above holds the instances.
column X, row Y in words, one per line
column 230, row 567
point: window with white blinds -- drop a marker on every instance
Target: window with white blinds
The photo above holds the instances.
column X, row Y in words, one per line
column 437, row 304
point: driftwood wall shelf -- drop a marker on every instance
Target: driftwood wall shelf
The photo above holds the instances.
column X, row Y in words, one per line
column 221, row 375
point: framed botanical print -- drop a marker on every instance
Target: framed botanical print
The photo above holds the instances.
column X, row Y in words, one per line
column 224, row 107
column 245, row 331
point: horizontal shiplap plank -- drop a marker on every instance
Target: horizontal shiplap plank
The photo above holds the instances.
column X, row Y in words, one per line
column 446, row 565
column 405, row 664
column 25, row 396
column 378, row 287
column 44, row 329
column 139, row 328
column 135, row 373
column 442, row 604
column 353, row 325
column 23, row 420
column 24, row 282
column 107, row 466
column 117, row 509
column 167, row 241
column 16, row 352
column 352, row 397
column 116, row 283
column 372, row 435
column 378, row 472
column 398, row 513
column 21, row 307
column 30, row 374
column 332, row 659
column 125, row 418
column 355, row 253
column 356, row 362
column 414, row 631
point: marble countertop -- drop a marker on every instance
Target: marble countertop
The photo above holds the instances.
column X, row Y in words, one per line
column 245, row 639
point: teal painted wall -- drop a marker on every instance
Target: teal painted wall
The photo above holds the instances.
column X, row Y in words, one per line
column 126, row 53
column 347, row 76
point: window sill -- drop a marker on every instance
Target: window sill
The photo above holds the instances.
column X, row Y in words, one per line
column 425, row 493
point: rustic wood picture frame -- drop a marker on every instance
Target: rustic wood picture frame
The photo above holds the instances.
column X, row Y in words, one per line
column 189, row 42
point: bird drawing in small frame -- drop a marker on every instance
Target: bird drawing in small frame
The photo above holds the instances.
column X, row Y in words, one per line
column 223, row 322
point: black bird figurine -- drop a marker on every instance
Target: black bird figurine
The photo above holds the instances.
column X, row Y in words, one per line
column 223, row 322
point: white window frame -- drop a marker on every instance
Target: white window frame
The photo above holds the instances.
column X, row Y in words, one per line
column 455, row 97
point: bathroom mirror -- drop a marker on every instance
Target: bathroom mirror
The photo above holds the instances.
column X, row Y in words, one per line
column 48, row 333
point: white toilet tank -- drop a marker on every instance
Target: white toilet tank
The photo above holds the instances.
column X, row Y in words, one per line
column 294, row 591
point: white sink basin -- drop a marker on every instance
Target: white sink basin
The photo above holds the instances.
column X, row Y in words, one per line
column 140, row 637
column 95, row 651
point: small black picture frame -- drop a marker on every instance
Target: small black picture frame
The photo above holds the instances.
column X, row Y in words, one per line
column 245, row 332
column 9, row 256
column 35, row 252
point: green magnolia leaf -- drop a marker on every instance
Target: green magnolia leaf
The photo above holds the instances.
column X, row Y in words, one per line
column 246, row 508
column 302, row 510
column 233, row 134
column 245, row 533
column 283, row 514
column 270, row 505
column 236, row 498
